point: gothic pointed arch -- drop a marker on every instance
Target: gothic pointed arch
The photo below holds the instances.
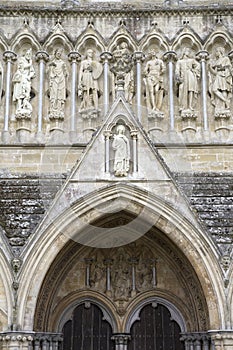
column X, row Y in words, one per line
column 70, row 226
column 90, row 37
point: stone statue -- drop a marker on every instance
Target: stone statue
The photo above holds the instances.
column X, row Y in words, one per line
column 220, row 81
column 57, row 85
column 122, row 70
column 153, row 80
column 121, row 147
column 187, row 74
column 22, row 83
column 88, row 89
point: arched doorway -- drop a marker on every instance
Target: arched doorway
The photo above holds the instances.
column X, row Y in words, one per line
column 155, row 329
column 87, row 329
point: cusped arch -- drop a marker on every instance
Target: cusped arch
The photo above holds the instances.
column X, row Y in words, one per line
column 154, row 41
column 219, row 38
column 134, row 314
column 82, row 298
column 50, row 239
column 58, row 38
column 24, row 41
column 187, row 39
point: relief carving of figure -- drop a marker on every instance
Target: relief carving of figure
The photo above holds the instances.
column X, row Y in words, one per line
column 122, row 69
column 220, row 81
column 22, row 83
column 187, row 74
column 153, row 80
column 57, row 85
column 121, row 279
column 88, row 89
column 121, row 146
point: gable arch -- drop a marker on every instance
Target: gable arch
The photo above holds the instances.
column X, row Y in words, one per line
column 48, row 241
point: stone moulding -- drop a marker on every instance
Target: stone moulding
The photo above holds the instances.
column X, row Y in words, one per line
column 116, row 10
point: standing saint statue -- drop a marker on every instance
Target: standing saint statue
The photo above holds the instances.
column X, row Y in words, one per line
column 57, row 85
column 88, row 89
column 22, row 83
column 153, row 80
column 121, row 147
column 220, row 81
column 187, row 74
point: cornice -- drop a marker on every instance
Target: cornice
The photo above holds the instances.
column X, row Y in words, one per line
column 106, row 9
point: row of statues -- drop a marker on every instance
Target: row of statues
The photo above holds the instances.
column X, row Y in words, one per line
column 187, row 78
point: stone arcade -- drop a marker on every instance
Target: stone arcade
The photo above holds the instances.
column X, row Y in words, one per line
column 116, row 205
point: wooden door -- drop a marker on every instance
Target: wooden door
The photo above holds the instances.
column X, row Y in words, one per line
column 155, row 330
column 87, row 330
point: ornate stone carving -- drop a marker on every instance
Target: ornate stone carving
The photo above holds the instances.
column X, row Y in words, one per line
column 220, row 83
column 88, row 87
column 57, row 86
column 187, row 74
column 121, row 147
column 22, row 86
column 153, row 81
column 122, row 69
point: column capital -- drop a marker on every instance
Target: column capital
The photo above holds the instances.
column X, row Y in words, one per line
column 121, row 338
column 134, row 134
column 9, row 56
column 170, row 56
column 42, row 56
column 202, row 55
column 106, row 56
column 74, row 56
column 107, row 134
column 139, row 56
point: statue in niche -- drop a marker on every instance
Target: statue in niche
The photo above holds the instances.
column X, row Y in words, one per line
column 22, row 84
column 153, row 80
column 57, row 85
column 88, row 88
column 187, row 74
column 122, row 70
column 121, row 146
column 221, row 82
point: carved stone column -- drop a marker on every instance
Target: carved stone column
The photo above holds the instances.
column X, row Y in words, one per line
column 88, row 262
column 107, row 135
column 203, row 56
column 133, row 262
column 9, row 57
column 41, row 57
column 108, row 263
column 139, row 57
column 121, row 340
column 134, row 135
column 222, row 340
column 171, row 57
column 74, row 58
column 106, row 57
column 196, row 341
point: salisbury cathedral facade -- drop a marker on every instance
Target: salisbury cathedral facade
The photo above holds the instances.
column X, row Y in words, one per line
column 116, row 177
